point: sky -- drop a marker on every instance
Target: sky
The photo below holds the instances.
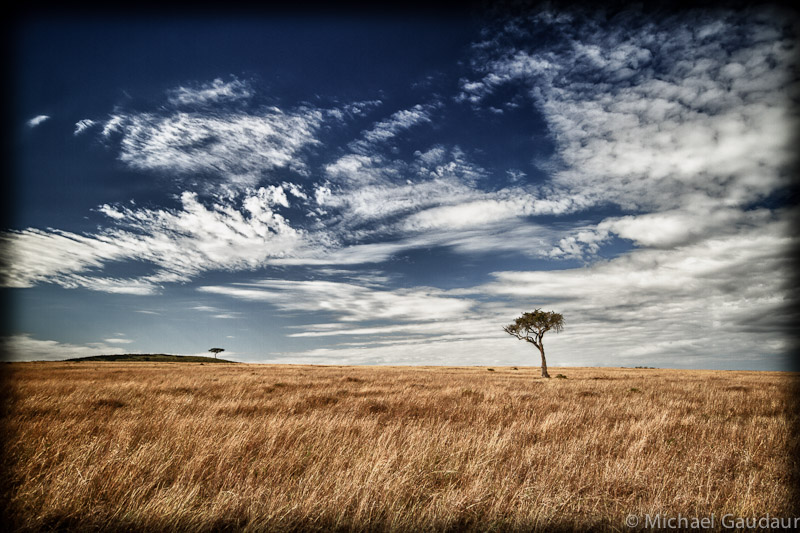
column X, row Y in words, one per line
column 366, row 188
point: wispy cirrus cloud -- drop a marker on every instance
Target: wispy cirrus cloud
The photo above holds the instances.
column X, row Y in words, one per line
column 117, row 340
column 373, row 189
column 226, row 234
column 83, row 125
column 215, row 92
column 217, row 136
column 526, row 239
column 652, row 116
column 367, row 187
column 37, row 120
column 385, row 130
column 216, row 312
column 33, row 256
column 230, row 149
column 348, row 301
column 472, row 213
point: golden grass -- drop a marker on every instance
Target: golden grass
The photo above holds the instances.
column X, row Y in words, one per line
column 160, row 446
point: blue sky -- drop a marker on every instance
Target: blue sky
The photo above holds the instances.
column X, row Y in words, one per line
column 368, row 189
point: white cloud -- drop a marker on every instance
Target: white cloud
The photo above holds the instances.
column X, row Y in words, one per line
column 112, row 125
column 239, row 234
column 460, row 328
column 237, row 147
column 348, row 301
column 363, row 189
column 138, row 286
column 355, row 254
column 207, row 308
column 24, row 347
column 116, row 340
column 527, row 239
column 210, row 136
column 33, row 256
column 530, row 240
column 519, row 65
column 646, row 115
column 375, row 202
column 668, row 229
column 35, row 121
column 214, row 92
column 687, row 121
column 385, row 130
column 469, row 214
column 83, row 125
column 295, row 190
column 216, row 312
column 111, row 212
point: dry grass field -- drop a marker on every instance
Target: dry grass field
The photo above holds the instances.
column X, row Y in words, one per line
column 190, row 447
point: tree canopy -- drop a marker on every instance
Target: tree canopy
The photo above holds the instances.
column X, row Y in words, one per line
column 532, row 326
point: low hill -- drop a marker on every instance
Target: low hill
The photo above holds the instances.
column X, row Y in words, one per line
column 151, row 358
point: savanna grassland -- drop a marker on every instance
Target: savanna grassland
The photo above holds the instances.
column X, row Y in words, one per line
column 191, row 447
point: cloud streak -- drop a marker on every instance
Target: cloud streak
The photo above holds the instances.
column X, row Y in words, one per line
column 37, row 120
column 25, row 347
column 212, row 93
column 349, row 302
column 386, row 130
column 240, row 234
column 83, row 125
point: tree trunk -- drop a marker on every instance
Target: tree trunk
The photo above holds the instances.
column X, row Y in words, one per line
column 544, row 363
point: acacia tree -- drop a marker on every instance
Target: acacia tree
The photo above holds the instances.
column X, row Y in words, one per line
column 531, row 327
column 215, row 351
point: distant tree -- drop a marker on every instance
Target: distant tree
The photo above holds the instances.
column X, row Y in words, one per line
column 216, row 351
column 531, row 327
